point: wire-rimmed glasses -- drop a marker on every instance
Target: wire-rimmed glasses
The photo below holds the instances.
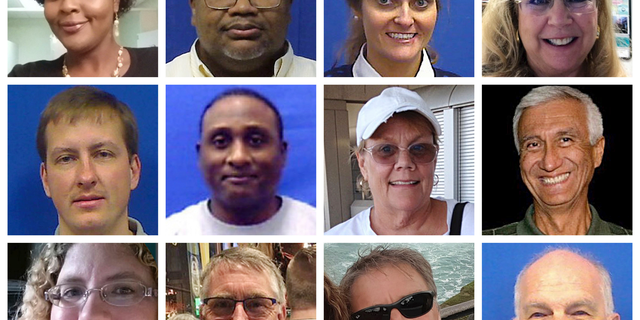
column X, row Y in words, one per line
column 541, row 7
column 226, row 4
column 120, row 294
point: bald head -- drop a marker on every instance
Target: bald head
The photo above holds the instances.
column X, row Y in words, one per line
column 562, row 283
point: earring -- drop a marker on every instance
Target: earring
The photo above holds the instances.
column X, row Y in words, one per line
column 116, row 26
column 518, row 36
column 437, row 180
column 598, row 33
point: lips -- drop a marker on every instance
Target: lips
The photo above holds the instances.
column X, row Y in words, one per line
column 401, row 35
column 243, row 30
column 71, row 26
column 90, row 201
column 549, row 181
column 559, row 42
column 239, row 178
column 404, row 182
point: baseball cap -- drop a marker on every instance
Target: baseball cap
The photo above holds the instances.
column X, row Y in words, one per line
column 392, row 100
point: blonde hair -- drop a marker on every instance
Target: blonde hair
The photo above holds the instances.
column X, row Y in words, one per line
column 503, row 55
column 357, row 38
column 45, row 269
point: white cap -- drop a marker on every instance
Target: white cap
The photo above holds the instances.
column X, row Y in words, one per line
column 392, row 100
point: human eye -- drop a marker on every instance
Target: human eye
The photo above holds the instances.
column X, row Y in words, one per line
column 531, row 145
column 123, row 289
column 220, row 141
column 384, row 2
column 538, row 2
column 386, row 150
column 422, row 4
column 71, row 293
column 64, row 159
column 104, row 154
column 258, row 306
column 257, row 140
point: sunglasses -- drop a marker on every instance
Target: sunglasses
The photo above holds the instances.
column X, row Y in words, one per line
column 411, row 306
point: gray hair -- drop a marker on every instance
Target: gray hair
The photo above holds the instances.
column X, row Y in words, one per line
column 542, row 95
column 380, row 257
column 607, row 292
column 249, row 258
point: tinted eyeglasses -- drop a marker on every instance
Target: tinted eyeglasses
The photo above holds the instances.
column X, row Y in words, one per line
column 256, row 308
column 119, row 294
column 388, row 153
column 541, row 7
column 411, row 306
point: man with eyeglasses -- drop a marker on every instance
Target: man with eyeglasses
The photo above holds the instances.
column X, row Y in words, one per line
column 241, row 154
column 242, row 283
column 241, row 38
column 391, row 283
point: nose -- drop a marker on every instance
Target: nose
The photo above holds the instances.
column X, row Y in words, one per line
column 94, row 307
column 559, row 14
column 405, row 161
column 87, row 176
column 404, row 15
column 239, row 313
column 551, row 159
column 396, row 315
column 239, row 154
column 68, row 5
column 243, row 7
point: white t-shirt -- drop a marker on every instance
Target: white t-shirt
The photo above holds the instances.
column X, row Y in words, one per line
column 293, row 218
column 360, row 225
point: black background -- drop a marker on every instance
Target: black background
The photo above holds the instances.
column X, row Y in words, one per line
column 506, row 198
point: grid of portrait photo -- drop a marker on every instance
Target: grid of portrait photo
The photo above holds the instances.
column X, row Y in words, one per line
column 318, row 159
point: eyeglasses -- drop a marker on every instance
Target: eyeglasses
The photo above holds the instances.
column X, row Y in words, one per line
column 256, row 308
column 389, row 154
column 411, row 306
column 119, row 294
column 541, row 7
column 226, row 4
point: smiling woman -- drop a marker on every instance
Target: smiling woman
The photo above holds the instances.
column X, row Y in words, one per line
column 390, row 38
column 89, row 31
column 549, row 39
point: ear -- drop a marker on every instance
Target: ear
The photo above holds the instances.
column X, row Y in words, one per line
column 192, row 4
column 116, row 6
column 614, row 316
column 43, row 178
column 282, row 311
column 363, row 169
column 136, row 167
column 598, row 152
column 198, row 147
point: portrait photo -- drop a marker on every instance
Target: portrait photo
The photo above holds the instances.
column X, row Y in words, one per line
column 517, row 184
column 568, row 267
column 93, row 162
column 223, row 146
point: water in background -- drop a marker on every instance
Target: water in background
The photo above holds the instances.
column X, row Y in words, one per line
column 452, row 263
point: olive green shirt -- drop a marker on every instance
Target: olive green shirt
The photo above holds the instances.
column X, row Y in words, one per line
column 528, row 226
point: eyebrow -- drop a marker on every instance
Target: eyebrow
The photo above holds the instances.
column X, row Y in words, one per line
column 572, row 305
column 124, row 275
column 92, row 147
column 563, row 132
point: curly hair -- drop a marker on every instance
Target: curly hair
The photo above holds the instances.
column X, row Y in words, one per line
column 335, row 306
column 45, row 269
column 504, row 56
column 124, row 7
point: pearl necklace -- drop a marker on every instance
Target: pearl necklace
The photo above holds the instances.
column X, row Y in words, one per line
column 116, row 72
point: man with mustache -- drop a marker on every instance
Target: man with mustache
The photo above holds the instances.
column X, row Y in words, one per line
column 241, row 154
column 241, row 38
column 88, row 142
column 558, row 133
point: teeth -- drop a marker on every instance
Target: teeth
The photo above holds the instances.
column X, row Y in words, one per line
column 560, row 42
column 403, row 182
column 401, row 36
column 556, row 179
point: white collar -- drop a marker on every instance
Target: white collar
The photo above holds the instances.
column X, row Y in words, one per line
column 280, row 67
column 362, row 68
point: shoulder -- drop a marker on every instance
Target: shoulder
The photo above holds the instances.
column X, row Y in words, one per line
column 509, row 229
column 341, row 71
column 180, row 66
column 443, row 73
column 467, row 227
column 302, row 67
column 618, row 230
column 353, row 226
column 144, row 62
column 42, row 68
column 183, row 222
column 297, row 217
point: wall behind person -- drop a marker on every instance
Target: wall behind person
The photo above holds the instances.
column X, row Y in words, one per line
column 30, row 211
column 452, row 37
column 502, row 262
column 301, row 33
column 297, row 106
